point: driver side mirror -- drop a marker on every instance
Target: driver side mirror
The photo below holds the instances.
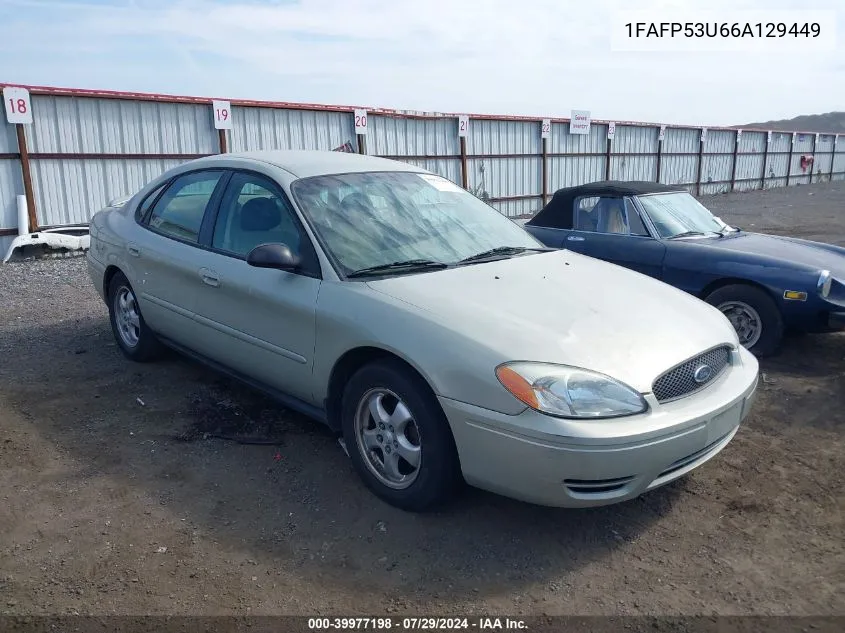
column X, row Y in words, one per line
column 278, row 256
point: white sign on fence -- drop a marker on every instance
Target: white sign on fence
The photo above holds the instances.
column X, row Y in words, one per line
column 360, row 121
column 579, row 122
column 662, row 134
column 703, row 134
column 611, row 130
column 769, row 136
column 794, row 137
column 738, row 136
column 463, row 125
column 18, row 105
column 222, row 114
column 546, row 128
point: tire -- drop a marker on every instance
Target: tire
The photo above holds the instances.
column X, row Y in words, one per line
column 736, row 299
column 134, row 338
column 437, row 477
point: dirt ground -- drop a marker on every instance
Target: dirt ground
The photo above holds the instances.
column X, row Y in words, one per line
column 128, row 489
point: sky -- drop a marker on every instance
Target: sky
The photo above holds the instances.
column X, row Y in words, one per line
column 520, row 57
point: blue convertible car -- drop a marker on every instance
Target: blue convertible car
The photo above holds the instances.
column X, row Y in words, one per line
column 763, row 283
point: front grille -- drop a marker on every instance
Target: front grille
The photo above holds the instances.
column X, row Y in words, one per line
column 681, row 381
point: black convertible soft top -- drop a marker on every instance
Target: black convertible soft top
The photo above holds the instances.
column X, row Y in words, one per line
column 557, row 213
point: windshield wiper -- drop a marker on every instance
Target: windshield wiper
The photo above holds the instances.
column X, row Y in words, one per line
column 687, row 234
column 502, row 251
column 407, row 265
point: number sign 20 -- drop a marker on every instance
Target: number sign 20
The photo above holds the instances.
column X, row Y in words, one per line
column 360, row 121
column 18, row 105
column 222, row 115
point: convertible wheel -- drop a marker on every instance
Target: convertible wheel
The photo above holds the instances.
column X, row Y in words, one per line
column 130, row 330
column 753, row 314
column 398, row 437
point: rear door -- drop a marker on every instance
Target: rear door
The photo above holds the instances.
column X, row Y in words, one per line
column 610, row 228
column 167, row 254
column 257, row 321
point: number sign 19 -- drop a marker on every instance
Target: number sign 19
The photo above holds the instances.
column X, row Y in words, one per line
column 18, row 105
column 360, row 121
column 463, row 125
column 545, row 128
column 222, row 115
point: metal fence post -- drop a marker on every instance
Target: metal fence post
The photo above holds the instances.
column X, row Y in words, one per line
column 362, row 143
column 659, row 154
column 738, row 135
column 789, row 160
column 608, row 150
column 813, row 156
column 765, row 160
column 221, row 136
column 700, row 162
column 545, row 177
column 26, row 173
column 464, row 169
column 832, row 157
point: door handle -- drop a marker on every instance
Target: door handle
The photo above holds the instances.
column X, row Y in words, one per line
column 209, row 277
column 133, row 250
column 575, row 238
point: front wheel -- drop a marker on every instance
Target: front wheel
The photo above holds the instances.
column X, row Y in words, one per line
column 398, row 437
column 754, row 316
column 134, row 338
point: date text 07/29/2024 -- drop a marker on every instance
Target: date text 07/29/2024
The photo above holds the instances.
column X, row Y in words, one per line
column 416, row 624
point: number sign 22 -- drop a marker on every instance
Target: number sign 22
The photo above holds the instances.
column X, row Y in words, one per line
column 18, row 105
column 546, row 128
column 222, row 115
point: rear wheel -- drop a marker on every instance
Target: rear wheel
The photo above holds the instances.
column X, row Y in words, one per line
column 754, row 316
column 134, row 338
column 398, row 437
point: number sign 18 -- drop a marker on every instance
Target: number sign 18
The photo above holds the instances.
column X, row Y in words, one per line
column 18, row 105
column 360, row 121
column 222, row 115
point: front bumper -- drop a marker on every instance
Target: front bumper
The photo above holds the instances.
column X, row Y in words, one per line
column 600, row 462
column 836, row 320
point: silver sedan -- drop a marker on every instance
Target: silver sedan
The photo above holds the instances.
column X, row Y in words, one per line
column 440, row 340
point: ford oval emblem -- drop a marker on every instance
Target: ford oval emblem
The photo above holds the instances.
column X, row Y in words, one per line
column 702, row 373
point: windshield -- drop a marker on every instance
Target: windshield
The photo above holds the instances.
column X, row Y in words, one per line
column 680, row 213
column 373, row 219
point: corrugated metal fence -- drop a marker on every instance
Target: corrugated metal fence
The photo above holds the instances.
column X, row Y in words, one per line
column 85, row 148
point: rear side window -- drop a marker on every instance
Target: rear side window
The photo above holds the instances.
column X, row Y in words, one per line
column 144, row 208
column 179, row 212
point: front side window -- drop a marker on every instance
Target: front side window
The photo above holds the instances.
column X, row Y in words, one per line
column 253, row 212
column 373, row 219
column 601, row 215
column 679, row 214
column 179, row 211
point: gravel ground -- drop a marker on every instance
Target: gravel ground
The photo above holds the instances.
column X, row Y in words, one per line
column 127, row 489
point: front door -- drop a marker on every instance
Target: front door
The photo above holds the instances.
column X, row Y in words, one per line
column 260, row 322
column 611, row 229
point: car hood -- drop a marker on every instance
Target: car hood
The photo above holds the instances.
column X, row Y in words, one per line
column 815, row 255
column 562, row 307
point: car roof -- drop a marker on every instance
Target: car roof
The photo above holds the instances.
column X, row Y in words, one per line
column 306, row 163
column 557, row 213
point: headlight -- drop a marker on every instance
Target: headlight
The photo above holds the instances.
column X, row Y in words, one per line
column 569, row 392
column 825, row 280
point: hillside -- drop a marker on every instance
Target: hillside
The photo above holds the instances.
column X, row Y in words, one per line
column 825, row 123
